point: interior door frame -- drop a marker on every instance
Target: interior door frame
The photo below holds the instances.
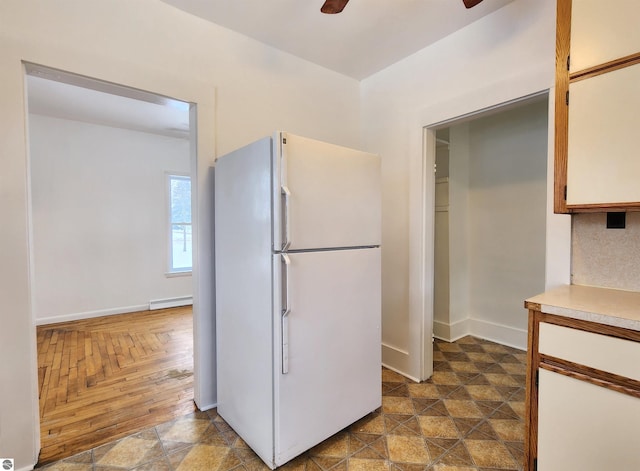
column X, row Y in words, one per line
column 422, row 211
column 201, row 100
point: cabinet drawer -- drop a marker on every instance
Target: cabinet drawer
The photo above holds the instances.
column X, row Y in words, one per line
column 617, row 356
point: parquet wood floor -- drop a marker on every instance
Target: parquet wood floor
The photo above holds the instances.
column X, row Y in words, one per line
column 104, row 378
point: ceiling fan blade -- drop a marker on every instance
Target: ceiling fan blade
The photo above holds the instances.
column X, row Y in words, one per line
column 333, row 6
column 471, row 3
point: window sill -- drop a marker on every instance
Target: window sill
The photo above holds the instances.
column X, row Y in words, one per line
column 175, row 274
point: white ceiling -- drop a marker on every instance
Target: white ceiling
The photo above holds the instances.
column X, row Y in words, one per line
column 368, row 36
column 68, row 96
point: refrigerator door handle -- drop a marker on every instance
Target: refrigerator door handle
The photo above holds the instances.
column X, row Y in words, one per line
column 286, row 310
column 286, row 194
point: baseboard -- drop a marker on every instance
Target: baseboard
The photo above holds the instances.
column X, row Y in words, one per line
column 396, row 360
column 206, row 407
column 451, row 332
column 170, row 302
column 90, row 314
column 499, row 333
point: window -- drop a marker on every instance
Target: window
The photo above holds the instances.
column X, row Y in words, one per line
column 180, row 228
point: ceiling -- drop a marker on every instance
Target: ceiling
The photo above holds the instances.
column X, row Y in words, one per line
column 63, row 95
column 368, row 36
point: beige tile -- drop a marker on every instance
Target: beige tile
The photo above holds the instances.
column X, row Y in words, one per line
column 463, row 367
column 515, row 368
column 480, row 357
column 357, row 464
column 444, row 467
column 438, row 356
column 326, row 462
column 127, row 453
column 407, row 449
column 501, row 380
column 370, row 424
column 424, row 390
column 392, row 376
column 483, row 393
column 457, row 456
column 490, row 454
column 522, row 357
column 467, row 409
column 186, row 430
column 203, row 458
column 519, row 408
column 336, row 446
column 445, row 377
column 397, row 405
column 494, row 348
column 67, row 466
column 438, row 427
column 158, row 465
column 448, row 347
column 508, row 430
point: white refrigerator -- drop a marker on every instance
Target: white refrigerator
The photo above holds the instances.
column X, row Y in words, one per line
column 297, row 256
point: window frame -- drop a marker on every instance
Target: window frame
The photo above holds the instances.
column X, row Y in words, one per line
column 169, row 178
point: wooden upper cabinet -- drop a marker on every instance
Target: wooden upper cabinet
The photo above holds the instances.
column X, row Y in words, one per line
column 597, row 157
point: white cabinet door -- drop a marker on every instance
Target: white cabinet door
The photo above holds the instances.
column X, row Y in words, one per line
column 334, row 347
column 585, row 427
column 603, row 31
column 330, row 196
column 603, row 164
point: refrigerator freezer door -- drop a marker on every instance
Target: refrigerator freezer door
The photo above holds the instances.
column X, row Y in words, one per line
column 329, row 196
column 328, row 310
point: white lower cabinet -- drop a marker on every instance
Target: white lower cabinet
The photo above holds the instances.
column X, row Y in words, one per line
column 583, row 380
column 582, row 426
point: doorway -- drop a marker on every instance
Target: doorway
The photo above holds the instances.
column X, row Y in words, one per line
column 489, row 221
column 102, row 235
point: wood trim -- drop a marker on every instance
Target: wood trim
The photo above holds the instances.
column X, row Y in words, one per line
column 563, row 38
column 589, row 326
column 531, row 397
column 610, row 66
column 602, row 207
column 601, row 378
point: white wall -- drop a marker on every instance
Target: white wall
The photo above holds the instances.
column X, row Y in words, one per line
column 506, row 226
column 498, row 176
column 99, row 218
column 504, row 56
column 243, row 89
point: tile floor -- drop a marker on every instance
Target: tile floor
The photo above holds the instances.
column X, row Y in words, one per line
column 467, row 417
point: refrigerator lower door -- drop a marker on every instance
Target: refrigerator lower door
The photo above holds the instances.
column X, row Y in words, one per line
column 328, row 353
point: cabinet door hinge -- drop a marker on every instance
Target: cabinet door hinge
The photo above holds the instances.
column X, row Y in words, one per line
column 568, row 62
column 566, row 98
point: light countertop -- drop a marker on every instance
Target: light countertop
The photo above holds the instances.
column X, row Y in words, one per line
column 602, row 305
